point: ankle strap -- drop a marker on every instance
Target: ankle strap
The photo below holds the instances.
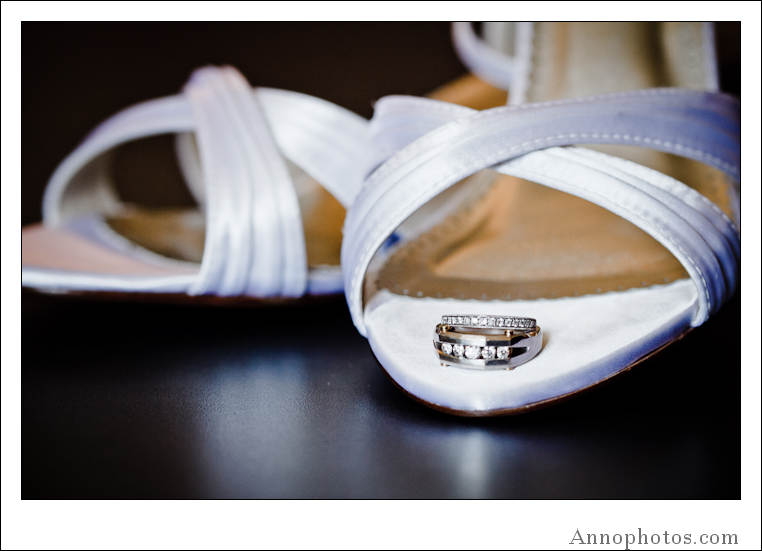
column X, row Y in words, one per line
column 507, row 71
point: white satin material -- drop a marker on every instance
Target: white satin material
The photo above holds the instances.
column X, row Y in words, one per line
column 701, row 237
column 487, row 60
column 235, row 167
column 423, row 147
column 586, row 339
column 254, row 238
column 503, row 57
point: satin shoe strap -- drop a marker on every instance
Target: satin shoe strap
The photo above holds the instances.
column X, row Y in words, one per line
column 235, row 168
column 447, row 143
column 488, row 62
column 254, row 241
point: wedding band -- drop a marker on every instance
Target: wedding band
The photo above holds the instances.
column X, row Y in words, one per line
column 483, row 320
column 487, row 342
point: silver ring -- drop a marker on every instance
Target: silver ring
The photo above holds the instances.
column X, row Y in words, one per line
column 484, row 320
column 487, row 342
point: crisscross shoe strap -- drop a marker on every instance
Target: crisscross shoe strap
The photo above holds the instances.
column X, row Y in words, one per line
column 432, row 145
column 254, row 238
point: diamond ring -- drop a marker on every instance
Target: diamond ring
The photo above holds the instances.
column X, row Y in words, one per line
column 482, row 320
column 487, row 342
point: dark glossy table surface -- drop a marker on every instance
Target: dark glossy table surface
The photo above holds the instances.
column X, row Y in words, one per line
column 140, row 400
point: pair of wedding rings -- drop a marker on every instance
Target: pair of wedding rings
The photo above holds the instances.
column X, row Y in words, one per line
column 478, row 341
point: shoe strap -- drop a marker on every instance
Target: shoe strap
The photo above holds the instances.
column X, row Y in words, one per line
column 488, row 60
column 254, row 241
column 429, row 152
column 237, row 170
column 504, row 56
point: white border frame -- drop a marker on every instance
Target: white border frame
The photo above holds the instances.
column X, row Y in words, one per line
column 370, row 524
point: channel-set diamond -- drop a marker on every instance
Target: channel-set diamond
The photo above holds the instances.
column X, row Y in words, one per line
column 488, row 352
column 510, row 322
column 473, row 352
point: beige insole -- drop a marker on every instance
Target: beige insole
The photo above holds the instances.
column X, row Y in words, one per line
column 526, row 241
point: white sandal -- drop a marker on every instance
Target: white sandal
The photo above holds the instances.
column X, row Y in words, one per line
column 451, row 243
column 265, row 228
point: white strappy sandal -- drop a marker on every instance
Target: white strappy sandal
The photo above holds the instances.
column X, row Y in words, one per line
column 483, row 293
column 265, row 228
